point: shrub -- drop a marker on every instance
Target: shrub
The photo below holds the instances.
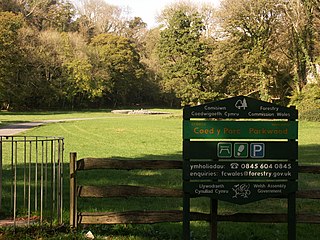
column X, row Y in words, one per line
column 308, row 102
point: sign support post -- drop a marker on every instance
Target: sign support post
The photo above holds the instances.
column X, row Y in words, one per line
column 292, row 218
column 186, row 216
column 292, row 235
column 186, row 198
column 214, row 219
column 186, row 205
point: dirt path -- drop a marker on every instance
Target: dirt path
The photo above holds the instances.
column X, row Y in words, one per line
column 19, row 222
column 17, row 128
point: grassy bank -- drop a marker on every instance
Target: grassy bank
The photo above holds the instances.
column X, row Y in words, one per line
column 159, row 137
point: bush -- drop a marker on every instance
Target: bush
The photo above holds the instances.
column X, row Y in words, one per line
column 312, row 115
column 308, row 103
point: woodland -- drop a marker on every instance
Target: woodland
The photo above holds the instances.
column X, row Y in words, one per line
column 60, row 54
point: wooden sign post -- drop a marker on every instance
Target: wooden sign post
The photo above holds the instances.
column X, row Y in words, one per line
column 228, row 158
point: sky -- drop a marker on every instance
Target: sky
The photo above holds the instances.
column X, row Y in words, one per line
column 149, row 9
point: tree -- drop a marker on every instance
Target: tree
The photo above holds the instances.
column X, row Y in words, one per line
column 43, row 14
column 205, row 11
column 78, row 70
column 149, row 57
column 182, row 55
column 300, row 28
column 60, row 16
column 9, row 6
column 35, row 12
column 245, row 57
column 103, row 17
column 136, row 30
column 122, row 73
column 10, row 57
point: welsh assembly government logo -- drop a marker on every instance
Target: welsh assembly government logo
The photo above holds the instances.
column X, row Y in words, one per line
column 241, row 190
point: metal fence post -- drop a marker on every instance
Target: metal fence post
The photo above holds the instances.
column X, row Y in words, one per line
column 73, row 197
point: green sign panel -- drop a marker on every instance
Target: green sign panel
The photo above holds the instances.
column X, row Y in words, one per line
column 239, row 192
column 240, row 129
column 226, row 170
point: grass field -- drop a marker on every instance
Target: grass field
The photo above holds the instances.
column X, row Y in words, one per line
column 159, row 137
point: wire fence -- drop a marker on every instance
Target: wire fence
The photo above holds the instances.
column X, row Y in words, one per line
column 31, row 178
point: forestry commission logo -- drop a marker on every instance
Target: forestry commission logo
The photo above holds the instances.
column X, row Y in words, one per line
column 241, row 104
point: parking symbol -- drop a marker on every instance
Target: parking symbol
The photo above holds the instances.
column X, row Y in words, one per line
column 257, row 150
column 224, row 150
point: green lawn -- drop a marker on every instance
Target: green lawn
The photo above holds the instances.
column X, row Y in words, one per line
column 159, row 137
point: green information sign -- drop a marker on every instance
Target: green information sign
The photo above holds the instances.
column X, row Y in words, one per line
column 232, row 153
column 240, row 129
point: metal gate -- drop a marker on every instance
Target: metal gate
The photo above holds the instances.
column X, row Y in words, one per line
column 31, row 178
